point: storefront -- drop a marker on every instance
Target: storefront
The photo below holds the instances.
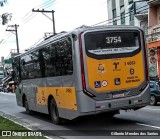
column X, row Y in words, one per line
column 153, row 46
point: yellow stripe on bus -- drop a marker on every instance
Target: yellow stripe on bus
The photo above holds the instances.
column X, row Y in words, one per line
column 65, row 97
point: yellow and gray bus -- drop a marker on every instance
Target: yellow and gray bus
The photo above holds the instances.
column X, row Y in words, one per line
column 86, row 71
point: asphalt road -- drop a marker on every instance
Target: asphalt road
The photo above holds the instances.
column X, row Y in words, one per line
column 145, row 119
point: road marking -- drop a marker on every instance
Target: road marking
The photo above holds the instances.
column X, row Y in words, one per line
column 151, row 109
column 157, row 127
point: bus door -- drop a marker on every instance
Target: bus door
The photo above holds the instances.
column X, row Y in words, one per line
column 113, row 63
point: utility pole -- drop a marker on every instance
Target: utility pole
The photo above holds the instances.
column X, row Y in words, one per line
column 44, row 11
column 13, row 28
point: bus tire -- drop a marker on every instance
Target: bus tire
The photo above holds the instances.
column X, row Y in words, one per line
column 54, row 112
column 28, row 111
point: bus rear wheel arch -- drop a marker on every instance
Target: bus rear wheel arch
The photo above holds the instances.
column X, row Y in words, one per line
column 53, row 111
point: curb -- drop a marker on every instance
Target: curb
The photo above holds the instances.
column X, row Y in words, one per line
column 9, row 94
column 24, row 124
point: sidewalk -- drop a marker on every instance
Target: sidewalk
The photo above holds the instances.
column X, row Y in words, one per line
column 5, row 93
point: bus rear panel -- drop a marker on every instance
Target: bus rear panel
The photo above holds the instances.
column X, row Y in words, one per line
column 114, row 70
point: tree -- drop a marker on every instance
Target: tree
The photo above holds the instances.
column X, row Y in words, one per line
column 5, row 17
column 2, row 2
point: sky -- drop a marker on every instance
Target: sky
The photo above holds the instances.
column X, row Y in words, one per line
column 69, row 14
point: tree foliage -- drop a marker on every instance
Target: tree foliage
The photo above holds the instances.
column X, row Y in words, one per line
column 2, row 2
column 5, row 17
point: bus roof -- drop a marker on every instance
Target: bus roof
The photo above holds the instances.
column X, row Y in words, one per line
column 76, row 30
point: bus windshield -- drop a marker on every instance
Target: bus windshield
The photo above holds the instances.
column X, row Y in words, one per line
column 112, row 43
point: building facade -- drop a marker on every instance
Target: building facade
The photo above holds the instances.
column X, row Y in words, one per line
column 153, row 36
column 7, row 66
column 128, row 12
column 145, row 14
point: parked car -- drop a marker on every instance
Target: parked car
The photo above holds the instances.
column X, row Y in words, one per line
column 155, row 92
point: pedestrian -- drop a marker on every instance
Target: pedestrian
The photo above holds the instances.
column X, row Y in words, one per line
column 13, row 88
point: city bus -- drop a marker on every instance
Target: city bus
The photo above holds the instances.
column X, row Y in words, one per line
column 86, row 71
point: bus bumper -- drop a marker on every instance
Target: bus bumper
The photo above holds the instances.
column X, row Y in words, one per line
column 91, row 106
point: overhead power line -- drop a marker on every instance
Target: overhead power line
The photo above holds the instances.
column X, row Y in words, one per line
column 45, row 11
column 34, row 45
column 30, row 13
column 45, row 4
column 5, row 40
column 30, row 18
column 115, row 19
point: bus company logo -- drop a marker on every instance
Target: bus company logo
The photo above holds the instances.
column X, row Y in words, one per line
column 116, row 67
column 131, row 71
column 101, row 68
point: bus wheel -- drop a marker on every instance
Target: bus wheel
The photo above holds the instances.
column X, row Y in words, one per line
column 153, row 101
column 26, row 106
column 54, row 113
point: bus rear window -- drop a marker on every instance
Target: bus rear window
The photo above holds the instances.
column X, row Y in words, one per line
column 112, row 44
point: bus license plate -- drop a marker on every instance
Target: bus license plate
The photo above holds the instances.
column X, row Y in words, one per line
column 118, row 95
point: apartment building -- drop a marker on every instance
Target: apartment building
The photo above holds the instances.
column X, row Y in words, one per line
column 153, row 36
column 128, row 12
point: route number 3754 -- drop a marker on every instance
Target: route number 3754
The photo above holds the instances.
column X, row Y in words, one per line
column 116, row 39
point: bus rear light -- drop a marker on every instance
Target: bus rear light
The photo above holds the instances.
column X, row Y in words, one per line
column 83, row 81
column 82, row 69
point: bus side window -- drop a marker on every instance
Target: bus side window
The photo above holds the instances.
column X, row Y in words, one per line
column 58, row 58
column 68, row 57
column 41, row 62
